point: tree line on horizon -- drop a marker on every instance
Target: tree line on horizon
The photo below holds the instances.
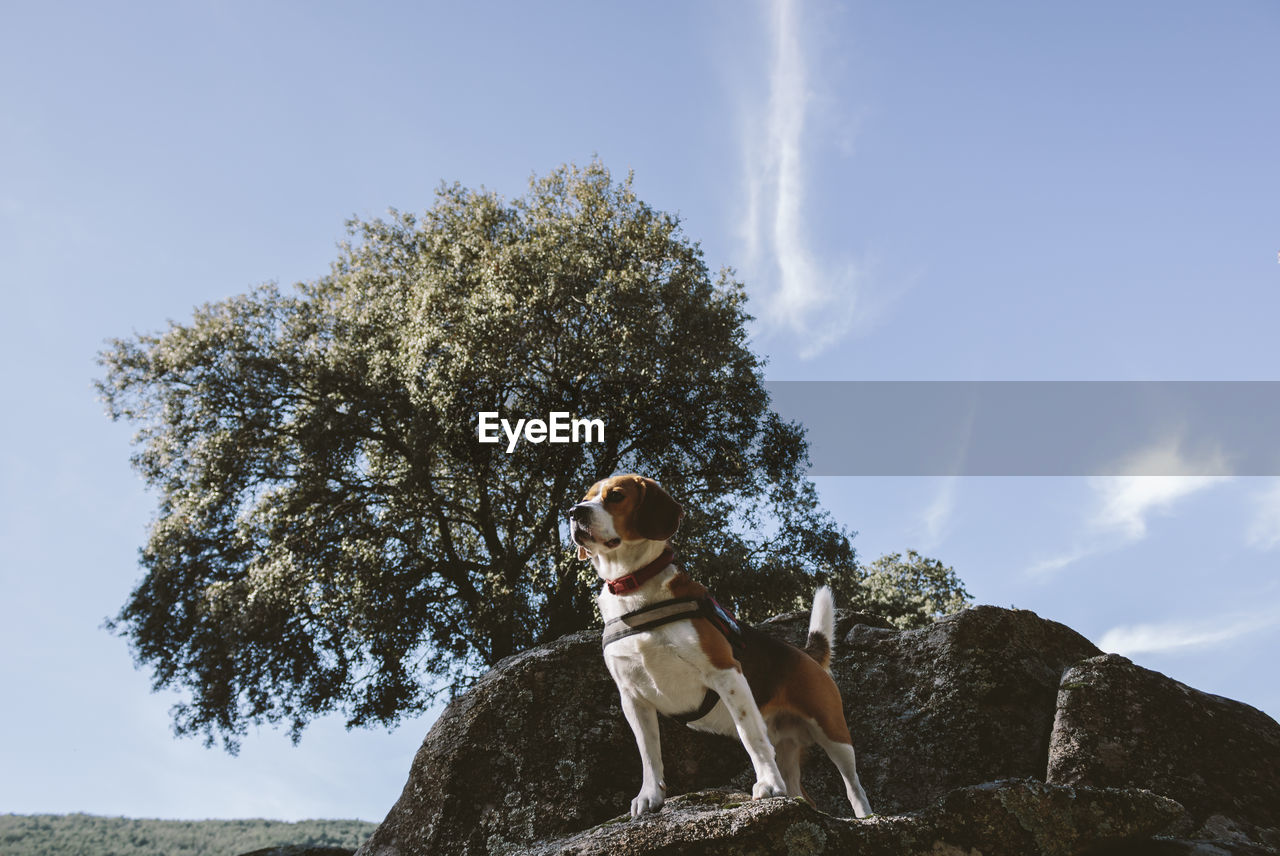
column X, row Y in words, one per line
column 79, row 834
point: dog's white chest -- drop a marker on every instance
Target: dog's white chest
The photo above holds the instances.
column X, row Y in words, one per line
column 657, row 666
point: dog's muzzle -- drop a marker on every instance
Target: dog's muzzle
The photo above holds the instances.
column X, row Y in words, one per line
column 580, row 524
column 580, row 527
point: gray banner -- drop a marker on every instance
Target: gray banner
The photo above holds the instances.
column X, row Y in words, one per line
column 1036, row 428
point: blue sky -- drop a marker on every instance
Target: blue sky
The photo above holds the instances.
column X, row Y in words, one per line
column 912, row 191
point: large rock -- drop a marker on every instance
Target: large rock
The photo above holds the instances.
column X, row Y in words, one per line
column 539, row 747
column 1011, row 818
column 536, row 749
column 1119, row 725
column 967, row 700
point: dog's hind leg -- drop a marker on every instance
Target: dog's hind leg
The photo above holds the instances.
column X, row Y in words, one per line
column 842, row 755
column 790, row 737
column 788, row 756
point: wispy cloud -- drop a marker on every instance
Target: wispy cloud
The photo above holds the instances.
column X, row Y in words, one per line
column 1127, row 501
column 1186, row 635
column 1123, row 505
column 816, row 300
column 937, row 515
column 1045, row 567
column 1264, row 531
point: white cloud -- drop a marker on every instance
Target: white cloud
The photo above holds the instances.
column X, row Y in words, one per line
column 1124, row 504
column 1127, row 501
column 1175, row 636
column 1048, row 566
column 937, row 515
column 817, row 301
column 1264, row 531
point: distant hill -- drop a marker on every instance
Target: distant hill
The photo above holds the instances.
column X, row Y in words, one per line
column 89, row 835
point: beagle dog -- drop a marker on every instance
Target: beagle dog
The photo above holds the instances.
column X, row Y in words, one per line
column 673, row 651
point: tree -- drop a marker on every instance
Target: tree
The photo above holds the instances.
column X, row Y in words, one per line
column 909, row 593
column 331, row 534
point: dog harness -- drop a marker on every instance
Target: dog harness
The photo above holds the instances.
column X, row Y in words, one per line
column 678, row 609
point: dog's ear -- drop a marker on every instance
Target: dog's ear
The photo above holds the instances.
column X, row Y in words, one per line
column 658, row 516
column 582, row 552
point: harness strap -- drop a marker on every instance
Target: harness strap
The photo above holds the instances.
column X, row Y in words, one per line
column 678, row 609
column 649, row 617
column 709, row 701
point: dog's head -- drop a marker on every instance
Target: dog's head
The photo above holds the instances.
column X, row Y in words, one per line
column 622, row 509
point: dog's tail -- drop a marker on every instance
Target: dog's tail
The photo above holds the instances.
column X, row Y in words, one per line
column 822, row 628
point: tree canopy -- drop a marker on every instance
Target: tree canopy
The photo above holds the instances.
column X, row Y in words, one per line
column 908, row 592
column 332, row 536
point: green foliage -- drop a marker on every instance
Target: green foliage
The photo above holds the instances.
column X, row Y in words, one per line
column 909, row 593
column 331, row 536
column 87, row 835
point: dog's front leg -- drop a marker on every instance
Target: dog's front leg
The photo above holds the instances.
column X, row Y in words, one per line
column 643, row 719
column 734, row 691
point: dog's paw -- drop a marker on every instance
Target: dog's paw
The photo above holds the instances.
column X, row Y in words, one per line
column 647, row 801
column 764, row 790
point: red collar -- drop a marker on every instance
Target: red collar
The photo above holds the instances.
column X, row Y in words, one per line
column 635, row 579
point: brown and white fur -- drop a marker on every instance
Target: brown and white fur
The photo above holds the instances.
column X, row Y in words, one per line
column 777, row 699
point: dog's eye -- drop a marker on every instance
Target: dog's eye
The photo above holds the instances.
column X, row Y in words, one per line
column 614, row 495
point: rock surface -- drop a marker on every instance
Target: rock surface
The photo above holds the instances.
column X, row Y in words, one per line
column 1009, row 818
column 301, row 850
column 967, row 700
column 1120, row 725
column 538, row 751
column 537, row 748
